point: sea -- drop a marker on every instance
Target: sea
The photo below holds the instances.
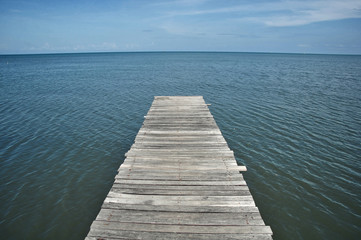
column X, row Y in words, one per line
column 66, row 121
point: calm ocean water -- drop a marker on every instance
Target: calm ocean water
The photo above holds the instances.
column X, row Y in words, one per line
column 66, row 121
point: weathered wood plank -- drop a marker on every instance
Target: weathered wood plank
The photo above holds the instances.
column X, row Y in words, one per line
column 180, row 228
column 183, row 172
column 183, row 175
column 145, row 191
column 114, row 198
column 155, row 217
column 201, row 143
column 178, row 236
column 182, row 152
column 209, row 168
column 182, row 188
column 121, row 180
column 180, row 198
column 184, row 158
column 180, row 208
column 99, row 234
column 183, row 179
column 206, row 132
column 202, row 168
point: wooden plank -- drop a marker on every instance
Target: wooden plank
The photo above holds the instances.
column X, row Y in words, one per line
column 154, row 217
column 118, row 234
column 180, row 174
column 146, row 191
column 114, row 198
column 176, row 203
column 181, row 187
column 206, row 143
column 169, row 167
column 174, row 161
column 181, row 208
column 121, row 180
column 185, row 159
column 201, row 168
column 175, row 177
column 205, row 132
column 195, row 171
column 206, row 158
column 109, row 234
column 170, row 228
column 180, row 198
column 182, row 152
column 184, row 179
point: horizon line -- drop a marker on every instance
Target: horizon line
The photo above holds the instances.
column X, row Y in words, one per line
column 177, row 51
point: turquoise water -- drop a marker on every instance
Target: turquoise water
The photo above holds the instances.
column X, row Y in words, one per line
column 66, row 121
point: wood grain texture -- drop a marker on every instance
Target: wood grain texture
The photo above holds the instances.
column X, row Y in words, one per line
column 179, row 180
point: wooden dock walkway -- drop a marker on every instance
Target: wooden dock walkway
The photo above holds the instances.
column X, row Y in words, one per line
column 179, row 181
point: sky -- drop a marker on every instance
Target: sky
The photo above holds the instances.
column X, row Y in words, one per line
column 290, row 26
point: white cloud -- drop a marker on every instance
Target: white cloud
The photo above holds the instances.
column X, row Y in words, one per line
column 104, row 46
column 302, row 13
column 208, row 11
column 46, row 47
column 179, row 3
column 190, row 2
column 284, row 13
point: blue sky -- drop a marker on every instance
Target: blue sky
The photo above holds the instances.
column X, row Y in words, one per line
column 301, row 26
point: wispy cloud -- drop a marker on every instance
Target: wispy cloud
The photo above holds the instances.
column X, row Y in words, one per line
column 15, row 11
column 234, row 9
column 185, row 3
column 48, row 47
column 283, row 13
column 302, row 13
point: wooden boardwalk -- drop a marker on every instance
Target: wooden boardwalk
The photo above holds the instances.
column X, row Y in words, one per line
column 179, row 181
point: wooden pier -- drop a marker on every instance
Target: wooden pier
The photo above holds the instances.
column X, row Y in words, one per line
column 179, row 181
